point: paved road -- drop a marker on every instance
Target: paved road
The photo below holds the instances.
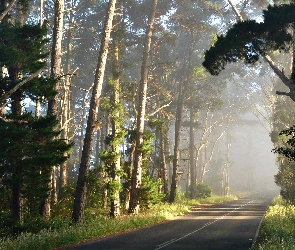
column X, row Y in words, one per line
column 230, row 226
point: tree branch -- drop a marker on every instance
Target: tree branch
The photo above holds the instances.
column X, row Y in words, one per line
column 166, row 105
column 235, row 9
column 283, row 93
column 278, row 72
column 267, row 58
column 10, row 92
column 4, row 13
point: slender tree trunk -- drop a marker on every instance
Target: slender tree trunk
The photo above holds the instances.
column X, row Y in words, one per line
column 56, row 52
column 66, row 106
column 163, row 163
column 137, row 171
column 178, row 124
column 193, row 178
column 81, row 189
column 55, row 69
column 207, row 161
column 38, row 101
column 105, row 131
column 116, row 124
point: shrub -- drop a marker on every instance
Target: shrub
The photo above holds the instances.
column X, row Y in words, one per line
column 203, row 190
column 149, row 192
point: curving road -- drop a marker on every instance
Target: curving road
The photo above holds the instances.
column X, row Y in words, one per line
column 230, row 226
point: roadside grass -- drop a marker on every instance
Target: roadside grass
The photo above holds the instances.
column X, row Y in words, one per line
column 212, row 200
column 278, row 227
column 96, row 226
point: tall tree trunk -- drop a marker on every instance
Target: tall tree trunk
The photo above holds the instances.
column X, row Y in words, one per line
column 163, row 162
column 115, row 121
column 55, row 72
column 193, row 176
column 56, row 53
column 81, row 188
column 38, row 101
column 137, row 171
column 66, row 105
column 178, row 124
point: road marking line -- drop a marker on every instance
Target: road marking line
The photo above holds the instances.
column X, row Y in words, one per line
column 167, row 243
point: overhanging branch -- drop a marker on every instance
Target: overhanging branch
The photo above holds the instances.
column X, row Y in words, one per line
column 10, row 92
column 4, row 13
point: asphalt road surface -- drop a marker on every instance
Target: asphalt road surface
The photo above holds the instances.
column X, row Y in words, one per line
column 230, row 226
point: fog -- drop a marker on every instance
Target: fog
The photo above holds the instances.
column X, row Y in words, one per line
column 252, row 164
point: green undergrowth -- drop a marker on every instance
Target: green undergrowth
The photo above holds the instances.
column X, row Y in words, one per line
column 213, row 199
column 92, row 228
column 278, row 227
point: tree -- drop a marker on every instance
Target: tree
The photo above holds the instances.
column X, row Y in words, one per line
column 254, row 41
column 140, row 119
column 81, row 188
column 22, row 51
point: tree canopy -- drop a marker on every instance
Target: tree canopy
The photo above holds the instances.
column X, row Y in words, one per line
column 248, row 40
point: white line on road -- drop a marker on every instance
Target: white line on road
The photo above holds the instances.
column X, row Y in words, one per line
column 167, row 243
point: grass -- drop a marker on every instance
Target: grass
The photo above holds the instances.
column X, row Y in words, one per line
column 212, row 200
column 97, row 226
column 278, row 227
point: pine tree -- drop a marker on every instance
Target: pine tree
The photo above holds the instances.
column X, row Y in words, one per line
column 28, row 146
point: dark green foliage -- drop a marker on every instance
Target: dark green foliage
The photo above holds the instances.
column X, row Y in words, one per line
column 23, row 46
column 285, row 179
column 28, row 150
column 203, row 190
column 146, row 147
column 158, row 124
column 247, row 40
column 289, row 149
column 150, row 192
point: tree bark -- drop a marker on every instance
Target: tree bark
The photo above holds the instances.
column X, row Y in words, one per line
column 137, row 171
column 115, row 122
column 81, row 188
column 56, row 52
column 163, row 163
column 55, row 72
column 66, row 106
column 178, row 124
column 193, row 176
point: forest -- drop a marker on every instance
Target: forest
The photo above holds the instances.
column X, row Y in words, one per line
column 116, row 105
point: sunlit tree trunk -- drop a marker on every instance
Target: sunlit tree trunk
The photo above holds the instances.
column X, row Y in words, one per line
column 38, row 101
column 105, row 131
column 115, row 122
column 66, row 104
column 81, row 188
column 137, row 171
